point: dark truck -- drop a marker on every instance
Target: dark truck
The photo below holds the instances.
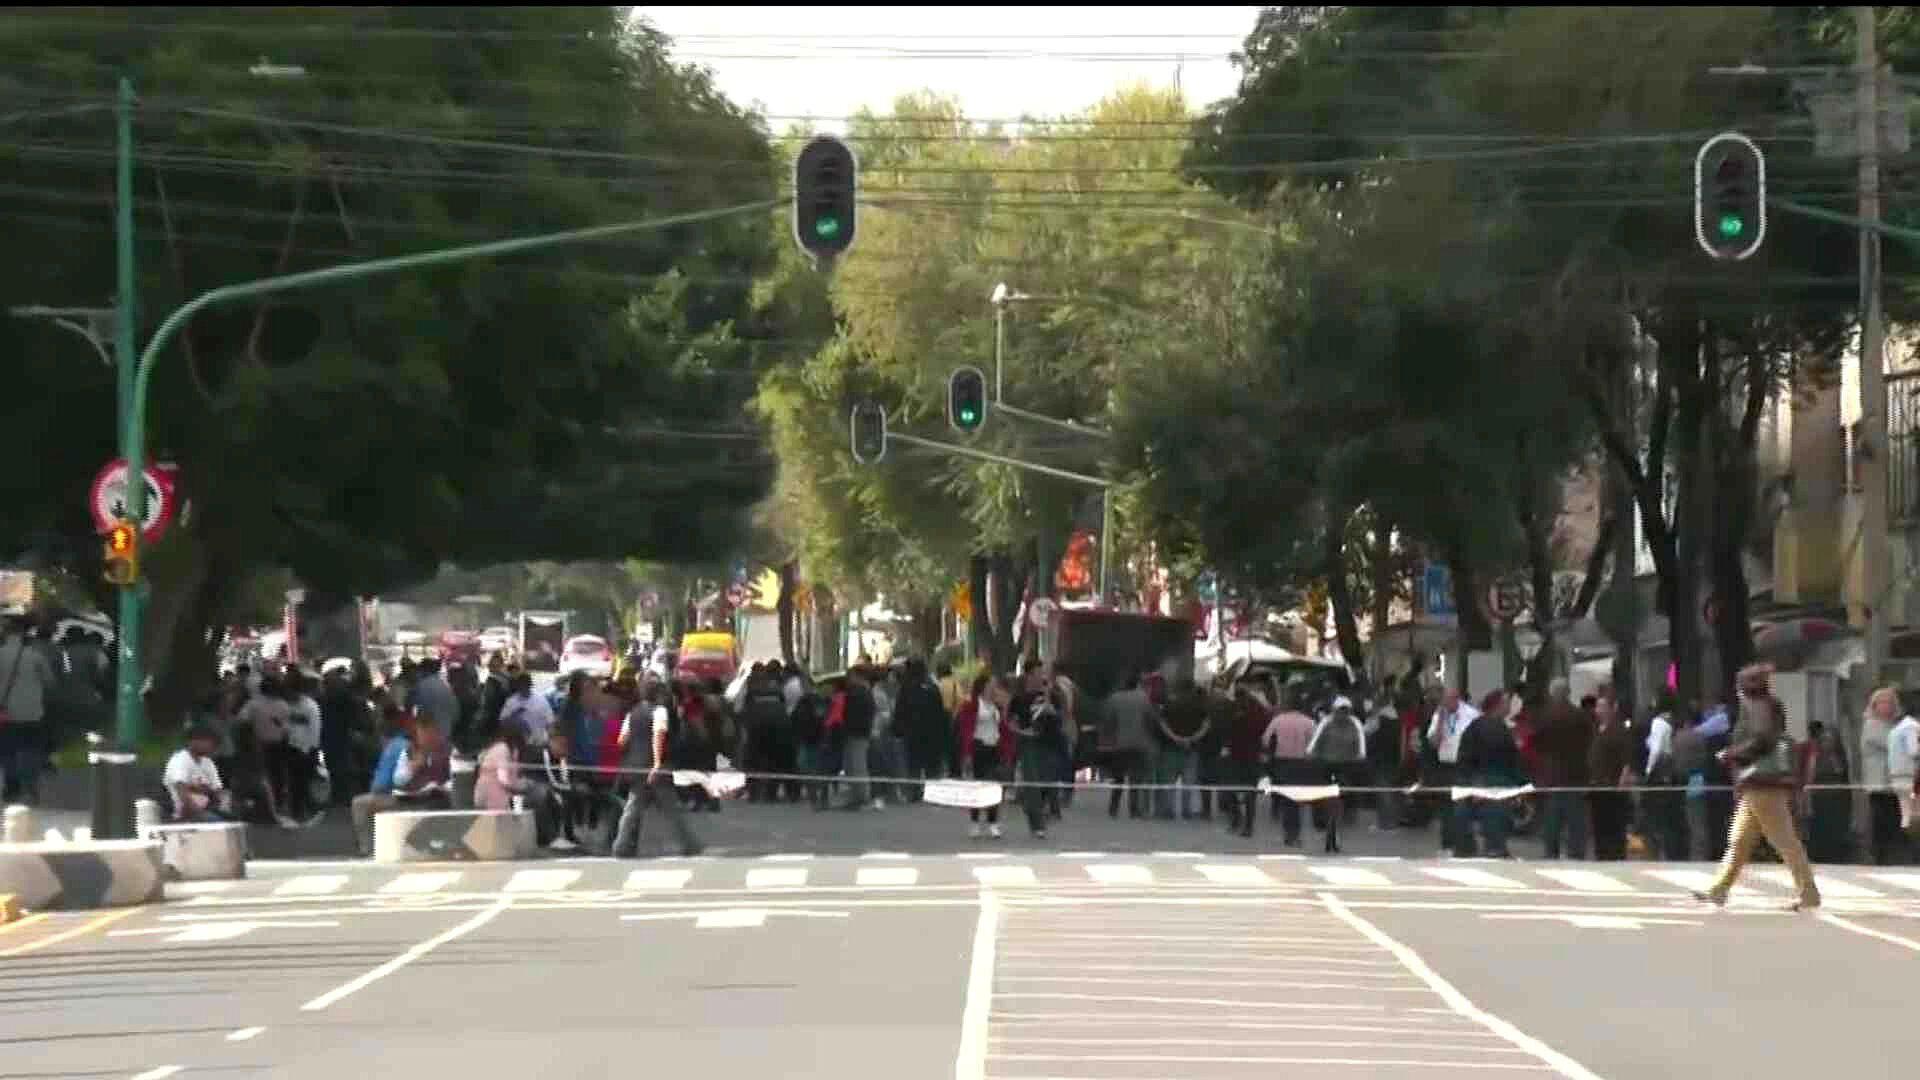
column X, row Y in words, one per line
column 1097, row 650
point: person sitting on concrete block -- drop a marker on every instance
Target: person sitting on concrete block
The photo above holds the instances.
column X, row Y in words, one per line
column 193, row 781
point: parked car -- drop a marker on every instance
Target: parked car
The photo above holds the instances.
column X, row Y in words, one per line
column 587, row 653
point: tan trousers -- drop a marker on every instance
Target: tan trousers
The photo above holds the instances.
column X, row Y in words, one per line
column 1765, row 812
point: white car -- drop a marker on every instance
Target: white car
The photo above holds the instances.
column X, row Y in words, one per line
column 589, row 654
column 496, row 639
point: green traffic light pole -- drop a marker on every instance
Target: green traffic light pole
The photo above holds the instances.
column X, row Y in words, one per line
column 130, row 725
column 1911, row 236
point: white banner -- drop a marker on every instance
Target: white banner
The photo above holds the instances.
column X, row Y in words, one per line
column 1299, row 792
column 965, row 794
column 1494, row 793
column 720, row 785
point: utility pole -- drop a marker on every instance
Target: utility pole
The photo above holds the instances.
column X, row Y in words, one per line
column 1876, row 553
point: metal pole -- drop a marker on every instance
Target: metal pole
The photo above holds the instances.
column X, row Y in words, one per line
column 998, row 459
column 1064, row 425
column 113, row 776
column 1873, row 384
column 1106, row 531
column 999, row 343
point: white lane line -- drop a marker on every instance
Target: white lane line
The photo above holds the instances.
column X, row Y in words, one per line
column 1897, row 880
column 887, row 875
column 1465, row 875
column 1831, row 887
column 1083, row 854
column 885, row 855
column 782, row 878
column 413, row 953
column 1292, row 984
column 1141, row 1059
column 1205, row 1002
column 800, row 856
column 1120, row 874
column 431, row 881
column 198, row 888
column 244, row 1034
column 1377, row 858
column 971, row 1063
column 641, row 880
column 1241, row 874
column 540, row 881
column 1552, row 1058
column 1226, row 1043
column 160, row 1073
column 1004, row 875
column 737, row 918
column 1586, row 881
column 1347, row 875
column 982, row 855
column 1192, row 1022
column 1697, row 879
column 1881, row 935
column 312, row 885
column 1179, row 854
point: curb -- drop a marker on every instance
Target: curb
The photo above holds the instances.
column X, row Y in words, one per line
column 9, row 908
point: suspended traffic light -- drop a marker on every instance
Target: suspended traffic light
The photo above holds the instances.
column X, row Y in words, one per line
column 869, row 424
column 825, row 181
column 967, row 400
column 1730, row 196
column 122, row 556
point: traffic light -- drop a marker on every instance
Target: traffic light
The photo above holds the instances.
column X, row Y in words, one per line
column 1730, row 196
column 967, row 400
column 825, row 181
column 122, row 556
column 869, row 423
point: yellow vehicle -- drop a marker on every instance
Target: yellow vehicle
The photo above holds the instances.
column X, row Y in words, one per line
column 707, row 655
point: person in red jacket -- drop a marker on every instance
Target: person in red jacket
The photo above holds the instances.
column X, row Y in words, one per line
column 983, row 733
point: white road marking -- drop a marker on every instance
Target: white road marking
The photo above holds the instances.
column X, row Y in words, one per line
column 1282, row 857
column 199, row 888
column 731, row 919
column 1833, row 887
column 1240, row 874
column 1224, row 1043
column 1586, row 880
column 776, row 879
column 540, row 881
column 1179, row 855
column 1477, row 879
column 160, row 1073
column 244, row 1034
column 1347, row 875
column 1131, row 1059
column 413, row 953
column 1601, row 922
column 431, row 881
column 982, row 855
column 971, row 1063
column 1199, row 1022
column 801, row 856
column 1376, row 858
column 1120, row 874
column 1555, row 1060
column 1906, row 880
column 1292, row 983
column 1697, row 880
column 1867, row 931
column 1083, row 854
column 641, row 880
column 887, row 875
column 1222, row 1003
column 1004, row 875
column 312, row 885
column 885, row 855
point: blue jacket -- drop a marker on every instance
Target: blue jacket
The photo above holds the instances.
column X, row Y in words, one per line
column 390, row 756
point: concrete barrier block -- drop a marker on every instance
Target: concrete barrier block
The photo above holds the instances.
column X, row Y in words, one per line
column 10, row 908
column 77, row 876
column 211, row 851
column 463, row 835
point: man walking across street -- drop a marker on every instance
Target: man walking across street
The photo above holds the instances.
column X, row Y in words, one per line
column 1766, row 771
column 644, row 737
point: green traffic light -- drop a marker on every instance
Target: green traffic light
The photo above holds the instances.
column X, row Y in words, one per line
column 968, row 416
column 827, row 228
column 1732, row 226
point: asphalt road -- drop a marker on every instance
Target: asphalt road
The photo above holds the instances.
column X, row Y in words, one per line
column 1079, row 965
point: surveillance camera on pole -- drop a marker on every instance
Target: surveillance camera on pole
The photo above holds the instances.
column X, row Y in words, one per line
column 825, row 182
column 1730, row 196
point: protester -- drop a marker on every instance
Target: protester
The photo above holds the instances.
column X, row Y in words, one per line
column 193, row 782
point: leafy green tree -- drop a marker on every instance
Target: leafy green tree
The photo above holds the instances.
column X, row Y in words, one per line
column 560, row 405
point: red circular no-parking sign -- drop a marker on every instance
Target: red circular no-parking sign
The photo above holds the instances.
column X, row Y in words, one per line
column 107, row 500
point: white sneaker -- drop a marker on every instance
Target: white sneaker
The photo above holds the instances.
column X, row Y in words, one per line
column 994, row 831
column 977, row 831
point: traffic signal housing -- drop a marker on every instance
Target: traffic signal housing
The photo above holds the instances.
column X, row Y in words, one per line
column 825, row 181
column 1730, row 196
column 869, row 424
column 967, row 400
column 122, row 556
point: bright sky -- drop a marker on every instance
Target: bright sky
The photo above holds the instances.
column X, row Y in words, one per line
column 1002, row 61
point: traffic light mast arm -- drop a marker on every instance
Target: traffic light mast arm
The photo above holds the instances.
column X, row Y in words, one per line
column 998, row 459
column 1065, row 425
column 1911, row 236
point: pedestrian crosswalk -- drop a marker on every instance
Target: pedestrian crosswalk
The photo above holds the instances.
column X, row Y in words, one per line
column 1115, row 872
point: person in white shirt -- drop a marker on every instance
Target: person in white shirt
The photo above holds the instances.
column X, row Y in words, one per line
column 1450, row 721
column 528, row 710
column 193, row 781
column 1903, row 761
